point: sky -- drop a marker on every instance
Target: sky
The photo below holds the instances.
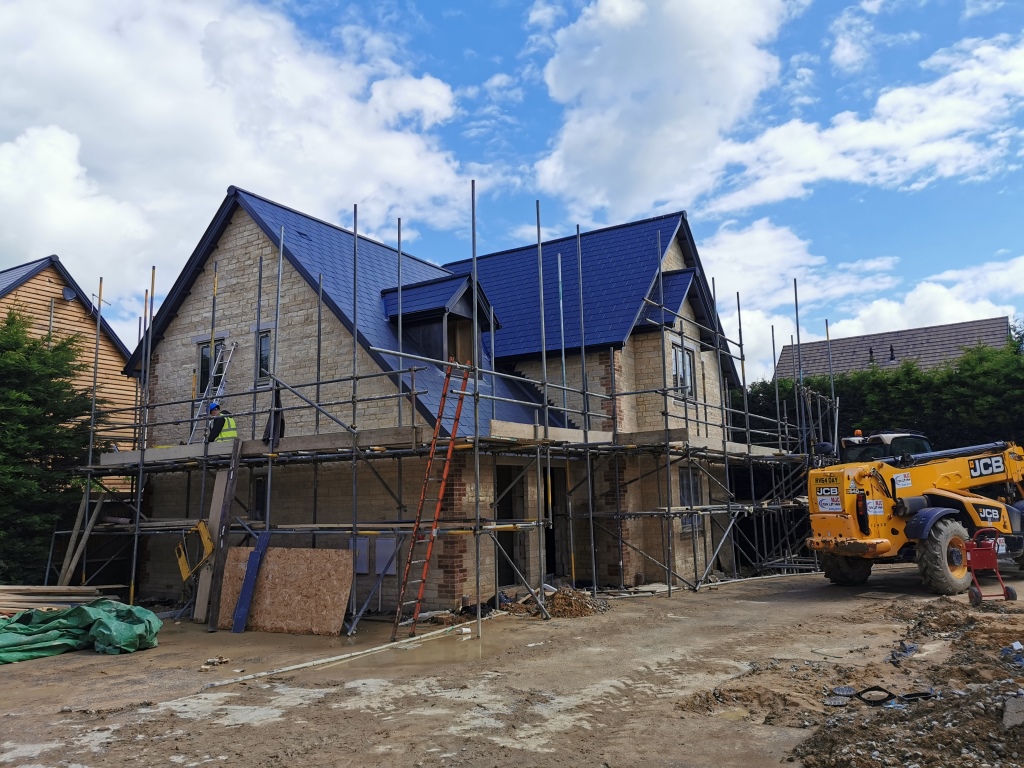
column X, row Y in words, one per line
column 872, row 151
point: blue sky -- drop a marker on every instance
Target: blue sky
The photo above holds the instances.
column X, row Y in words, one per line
column 872, row 150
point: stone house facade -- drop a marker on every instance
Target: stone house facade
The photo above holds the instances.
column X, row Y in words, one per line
column 335, row 332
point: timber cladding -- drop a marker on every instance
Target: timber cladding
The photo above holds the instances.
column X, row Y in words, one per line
column 34, row 299
column 298, row 591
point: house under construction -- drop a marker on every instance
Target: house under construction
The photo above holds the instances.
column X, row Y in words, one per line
column 570, row 409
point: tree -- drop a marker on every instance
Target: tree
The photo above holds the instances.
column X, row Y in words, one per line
column 977, row 398
column 44, row 435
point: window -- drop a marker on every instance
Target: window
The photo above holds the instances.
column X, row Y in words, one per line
column 204, row 367
column 691, row 489
column 691, row 494
column 264, row 349
column 684, row 379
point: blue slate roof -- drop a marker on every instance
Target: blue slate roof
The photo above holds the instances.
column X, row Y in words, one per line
column 434, row 297
column 676, row 285
column 429, row 296
column 619, row 264
column 314, row 247
column 14, row 277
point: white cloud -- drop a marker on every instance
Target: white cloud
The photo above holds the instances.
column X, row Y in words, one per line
column 649, row 89
column 798, row 82
column 124, row 123
column 852, row 33
column 927, row 303
column 544, row 14
column 761, row 261
column 503, row 87
column 962, row 124
column 855, row 36
column 981, row 7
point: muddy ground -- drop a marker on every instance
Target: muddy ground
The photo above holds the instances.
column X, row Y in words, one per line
column 733, row 676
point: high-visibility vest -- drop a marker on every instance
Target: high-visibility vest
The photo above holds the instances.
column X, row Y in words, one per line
column 229, row 431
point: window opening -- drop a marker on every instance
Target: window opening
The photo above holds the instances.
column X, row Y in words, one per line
column 204, row 366
column 264, row 352
column 684, row 371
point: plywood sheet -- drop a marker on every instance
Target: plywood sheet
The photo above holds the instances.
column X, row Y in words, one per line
column 298, row 592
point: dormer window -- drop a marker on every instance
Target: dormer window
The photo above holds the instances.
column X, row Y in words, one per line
column 437, row 317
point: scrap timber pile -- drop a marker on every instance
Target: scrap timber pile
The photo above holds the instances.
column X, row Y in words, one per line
column 14, row 599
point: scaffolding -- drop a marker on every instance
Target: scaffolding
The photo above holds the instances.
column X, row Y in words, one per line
column 751, row 522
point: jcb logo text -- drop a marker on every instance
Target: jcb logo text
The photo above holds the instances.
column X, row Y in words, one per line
column 990, row 465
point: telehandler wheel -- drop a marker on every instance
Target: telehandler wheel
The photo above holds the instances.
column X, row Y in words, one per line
column 942, row 558
column 846, row 571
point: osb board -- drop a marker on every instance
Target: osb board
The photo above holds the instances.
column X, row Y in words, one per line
column 298, row 591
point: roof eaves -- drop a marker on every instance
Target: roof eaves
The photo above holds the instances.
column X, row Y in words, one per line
column 658, row 272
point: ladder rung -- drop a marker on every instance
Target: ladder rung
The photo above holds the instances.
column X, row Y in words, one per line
column 417, row 562
column 410, row 602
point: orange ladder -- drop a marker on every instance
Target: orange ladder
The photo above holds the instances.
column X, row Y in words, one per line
column 418, row 539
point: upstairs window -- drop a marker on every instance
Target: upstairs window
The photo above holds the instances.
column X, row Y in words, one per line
column 204, row 367
column 684, row 378
column 264, row 353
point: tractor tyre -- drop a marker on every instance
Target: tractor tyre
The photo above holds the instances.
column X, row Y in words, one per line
column 846, row 571
column 942, row 558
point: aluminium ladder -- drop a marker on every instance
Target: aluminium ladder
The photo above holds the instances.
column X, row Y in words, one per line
column 221, row 363
column 418, row 539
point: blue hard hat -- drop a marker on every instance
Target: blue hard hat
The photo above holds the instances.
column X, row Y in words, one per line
column 214, row 406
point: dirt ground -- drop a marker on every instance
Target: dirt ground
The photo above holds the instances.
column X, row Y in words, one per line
column 733, row 676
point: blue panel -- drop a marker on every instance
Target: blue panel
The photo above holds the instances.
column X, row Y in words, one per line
column 921, row 524
column 624, row 258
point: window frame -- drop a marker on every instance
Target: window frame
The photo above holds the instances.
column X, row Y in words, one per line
column 690, row 523
column 220, row 343
column 263, row 371
column 684, row 358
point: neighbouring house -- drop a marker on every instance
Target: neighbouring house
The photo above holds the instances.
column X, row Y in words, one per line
column 928, row 347
column 44, row 291
column 654, row 437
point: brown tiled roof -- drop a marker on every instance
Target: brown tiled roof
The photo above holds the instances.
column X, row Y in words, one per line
column 929, row 347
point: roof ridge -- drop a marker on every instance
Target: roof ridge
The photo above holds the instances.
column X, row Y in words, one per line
column 420, row 283
column 902, row 330
column 49, row 258
column 232, row 189
column 681, row 213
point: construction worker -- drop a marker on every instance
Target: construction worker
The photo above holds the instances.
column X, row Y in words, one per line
column 223, row 428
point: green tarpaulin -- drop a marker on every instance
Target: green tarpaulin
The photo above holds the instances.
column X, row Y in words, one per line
column 106, row 625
